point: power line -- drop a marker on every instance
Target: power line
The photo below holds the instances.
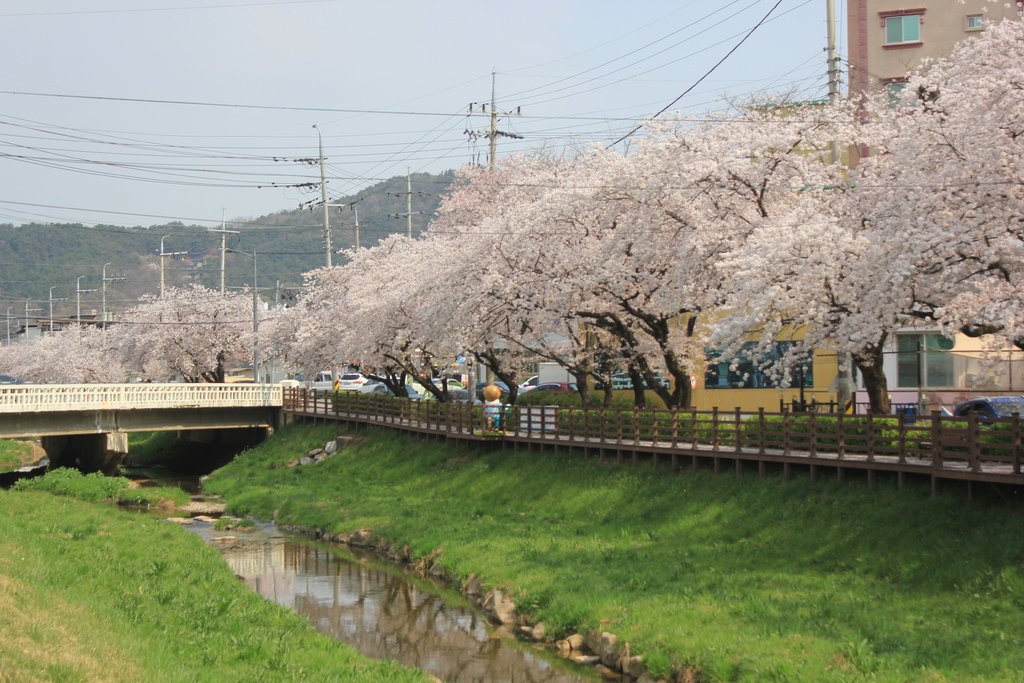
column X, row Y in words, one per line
column 140, row 10
column 706, row 74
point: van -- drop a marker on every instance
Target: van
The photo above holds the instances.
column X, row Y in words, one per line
column 324, row 381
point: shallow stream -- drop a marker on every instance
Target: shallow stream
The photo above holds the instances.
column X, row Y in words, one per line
column 383, row 612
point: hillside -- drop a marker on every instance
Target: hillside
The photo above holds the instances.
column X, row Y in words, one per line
column 35, row 257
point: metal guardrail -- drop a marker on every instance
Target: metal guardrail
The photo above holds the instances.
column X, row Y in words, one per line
column 40, row 398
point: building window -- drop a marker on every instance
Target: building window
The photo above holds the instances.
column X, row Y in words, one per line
column 974, row 22
column 924, row 361
column 894, row 92
column 749, row 372
column 903, row 29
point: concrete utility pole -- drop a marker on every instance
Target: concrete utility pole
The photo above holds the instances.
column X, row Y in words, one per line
column 78, row 298
column 323, row 196
column 9, row 309
column 255, row 323
column 51, row 306
column 223, row 249
column 355, row 210
column 493, row 133
column 255, row 315
column 844, row 375
column 408, row 213
column 104, row 286
column 832, row 57
column 162, row 254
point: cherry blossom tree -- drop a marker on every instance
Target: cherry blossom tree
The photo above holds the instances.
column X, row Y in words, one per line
column 948, row 191
column 926, row 231
column 192, row 331
column 76, row 355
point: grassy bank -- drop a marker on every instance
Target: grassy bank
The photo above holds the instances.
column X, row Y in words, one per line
column 89, row 592
column 15, row 454
column 746, row 579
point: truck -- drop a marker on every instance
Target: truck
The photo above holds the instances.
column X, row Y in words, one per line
column 553, row 372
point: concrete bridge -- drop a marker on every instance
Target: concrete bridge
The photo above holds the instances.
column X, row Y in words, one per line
column 87, row 425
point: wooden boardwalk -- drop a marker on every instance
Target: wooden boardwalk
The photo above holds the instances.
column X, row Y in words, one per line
column 934, row 448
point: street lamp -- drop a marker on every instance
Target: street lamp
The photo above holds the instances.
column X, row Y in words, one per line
column 162, row 254
column 255, row 316
column 105, row 281
column 27, row 311
column 51, row 300
column 78, row 298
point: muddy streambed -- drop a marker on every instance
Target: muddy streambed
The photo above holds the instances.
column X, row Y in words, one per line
column 383, row 612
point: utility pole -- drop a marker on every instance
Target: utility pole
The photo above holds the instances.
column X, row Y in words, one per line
column 223, row 249
column 844, row 375
column 78, row 298
column 105, row 281
column 51, row 306
column 255, row 323
column 9, row 309
column 166, row 253
column 323, row 197
column 355, row 209
column 493, row 133
column 832, row 57
column 408, row 213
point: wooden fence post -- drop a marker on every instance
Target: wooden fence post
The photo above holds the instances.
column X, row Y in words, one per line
column 760, row 431
column 714, row 429
column 840, row 435
column 936, row 439
column 739, row 430
column 1016, row 443
column 973, row 442
column 812, row 445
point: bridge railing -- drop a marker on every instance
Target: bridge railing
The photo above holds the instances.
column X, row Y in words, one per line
column 23, row 398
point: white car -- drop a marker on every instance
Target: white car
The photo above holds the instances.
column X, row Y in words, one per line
column 351, row 381
column 529, row 384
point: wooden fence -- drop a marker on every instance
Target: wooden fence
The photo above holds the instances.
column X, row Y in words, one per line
column 940, row 446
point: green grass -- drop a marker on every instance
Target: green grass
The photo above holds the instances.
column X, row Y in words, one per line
column 89, row 592
column 147, row 449
column 747, row 579
column 97, row 488
column 14, row 454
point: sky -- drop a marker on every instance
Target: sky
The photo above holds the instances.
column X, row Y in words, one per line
column 141, row 112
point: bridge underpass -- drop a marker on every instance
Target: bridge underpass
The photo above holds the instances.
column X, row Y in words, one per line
column 87, row 425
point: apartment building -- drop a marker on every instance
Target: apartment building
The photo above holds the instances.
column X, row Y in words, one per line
column 887, row 39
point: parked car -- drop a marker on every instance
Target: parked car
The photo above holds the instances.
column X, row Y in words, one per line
column 622, row 380
column 453, row 384
column 554, row 387
column 990, row 407
column 501, row 385
column 529, row 384
column 324, row 381
column 351, row 381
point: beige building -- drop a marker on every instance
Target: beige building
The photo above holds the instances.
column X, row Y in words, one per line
column 887, row 39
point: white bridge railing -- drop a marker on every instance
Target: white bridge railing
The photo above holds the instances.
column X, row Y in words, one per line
column 38, row 398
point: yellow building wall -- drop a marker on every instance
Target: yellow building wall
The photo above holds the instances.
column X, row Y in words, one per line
column 822, row 390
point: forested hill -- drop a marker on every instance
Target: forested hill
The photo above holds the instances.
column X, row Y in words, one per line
column 35, row 257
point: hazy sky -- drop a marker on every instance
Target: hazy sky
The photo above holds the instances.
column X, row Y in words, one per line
column 138, row 112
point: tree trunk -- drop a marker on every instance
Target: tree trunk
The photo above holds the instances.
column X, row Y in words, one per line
column 869, row 362
column 639, row 391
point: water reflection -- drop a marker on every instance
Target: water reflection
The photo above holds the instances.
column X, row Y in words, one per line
column 385, row 616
